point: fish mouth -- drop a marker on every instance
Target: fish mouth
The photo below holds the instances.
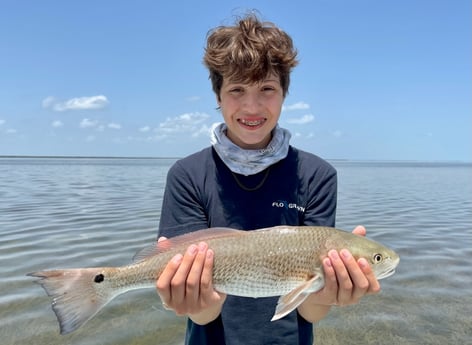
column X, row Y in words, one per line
column 386, row 274
column 389, row 270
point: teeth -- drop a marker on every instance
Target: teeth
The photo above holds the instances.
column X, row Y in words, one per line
column 252, row 123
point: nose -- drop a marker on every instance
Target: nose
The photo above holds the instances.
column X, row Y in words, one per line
column 251, row 102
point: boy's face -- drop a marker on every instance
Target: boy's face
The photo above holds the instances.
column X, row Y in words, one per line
column 251, row 111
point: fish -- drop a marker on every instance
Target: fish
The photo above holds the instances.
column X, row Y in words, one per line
column 283, row 261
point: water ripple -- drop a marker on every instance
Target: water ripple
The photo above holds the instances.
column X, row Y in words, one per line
column 77, row 213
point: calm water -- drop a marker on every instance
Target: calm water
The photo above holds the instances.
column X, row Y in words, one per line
column 58, row 213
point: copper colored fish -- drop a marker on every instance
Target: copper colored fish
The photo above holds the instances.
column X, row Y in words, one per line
column 281, row 261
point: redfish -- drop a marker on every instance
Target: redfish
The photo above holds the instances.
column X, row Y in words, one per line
column 281, row 261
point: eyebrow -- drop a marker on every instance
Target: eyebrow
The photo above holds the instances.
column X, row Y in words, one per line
column 270, row 79
column 230, row 83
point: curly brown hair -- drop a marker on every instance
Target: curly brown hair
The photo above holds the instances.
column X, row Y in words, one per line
column 248, row 52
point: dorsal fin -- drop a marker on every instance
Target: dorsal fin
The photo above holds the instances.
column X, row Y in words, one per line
column 189, row 238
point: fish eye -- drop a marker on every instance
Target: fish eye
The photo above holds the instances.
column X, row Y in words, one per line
column 377, row 258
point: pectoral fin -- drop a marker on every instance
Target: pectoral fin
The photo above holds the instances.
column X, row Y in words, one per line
column 294, row 298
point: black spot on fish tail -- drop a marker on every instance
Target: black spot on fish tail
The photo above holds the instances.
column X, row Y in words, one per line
column 99, row 278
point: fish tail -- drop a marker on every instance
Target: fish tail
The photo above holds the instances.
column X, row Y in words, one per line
column 78, row 294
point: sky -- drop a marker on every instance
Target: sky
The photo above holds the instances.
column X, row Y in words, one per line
column 377, row 79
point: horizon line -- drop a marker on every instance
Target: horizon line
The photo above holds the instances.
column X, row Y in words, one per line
column 179, row 157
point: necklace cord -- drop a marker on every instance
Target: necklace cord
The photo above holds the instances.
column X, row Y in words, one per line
column 256, row 187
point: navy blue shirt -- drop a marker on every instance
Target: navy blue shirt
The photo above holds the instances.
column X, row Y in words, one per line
column 201, row 192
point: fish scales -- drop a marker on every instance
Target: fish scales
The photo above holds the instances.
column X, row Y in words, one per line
column 266, row 263
column 281, row 261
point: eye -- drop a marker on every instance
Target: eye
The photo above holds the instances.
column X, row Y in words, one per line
column 377, row 258
column 236, row 90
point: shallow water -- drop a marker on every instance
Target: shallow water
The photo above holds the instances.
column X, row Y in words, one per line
column 91, row 212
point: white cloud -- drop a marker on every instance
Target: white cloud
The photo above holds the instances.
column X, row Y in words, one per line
column 113, row 125
column 301, row 120
column 203, row 130
column 296, row 106
column 192, row 98
column 90, row 138
column 153, row 138
column 188, row 123
column 86, row 123
column 48, row 102
column 78, row 103
column 177, row 128
column 337, row 133
column 57, row 124
column 9, row 130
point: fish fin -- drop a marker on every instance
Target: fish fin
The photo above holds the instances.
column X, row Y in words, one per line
column 154, row 249
column 191, row 237
column 76, row 294
column 287, row 303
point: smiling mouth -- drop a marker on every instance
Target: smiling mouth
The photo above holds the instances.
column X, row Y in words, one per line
column 252, row 123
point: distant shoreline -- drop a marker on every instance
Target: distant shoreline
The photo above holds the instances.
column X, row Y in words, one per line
column 85, row 157
column 170, row 157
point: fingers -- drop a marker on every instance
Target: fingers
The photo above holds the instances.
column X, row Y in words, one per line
column 354, row 279
column 164, row 282
column 358, row 281
column 343, row 278
column 186, row 281
column 163, row 243
column 374, row 285
column 206, row 282
column 194, row 275
column 181, row 280
column 331, row 283
column 359, row 230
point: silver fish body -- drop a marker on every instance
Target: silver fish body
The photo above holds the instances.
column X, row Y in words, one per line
column 281, row 261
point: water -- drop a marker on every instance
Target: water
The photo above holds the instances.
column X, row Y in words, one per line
column 91, row 212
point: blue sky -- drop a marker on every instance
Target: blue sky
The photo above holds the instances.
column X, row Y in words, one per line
column 378, row 79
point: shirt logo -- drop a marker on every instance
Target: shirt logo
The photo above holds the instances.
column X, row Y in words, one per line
column 287, row 205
